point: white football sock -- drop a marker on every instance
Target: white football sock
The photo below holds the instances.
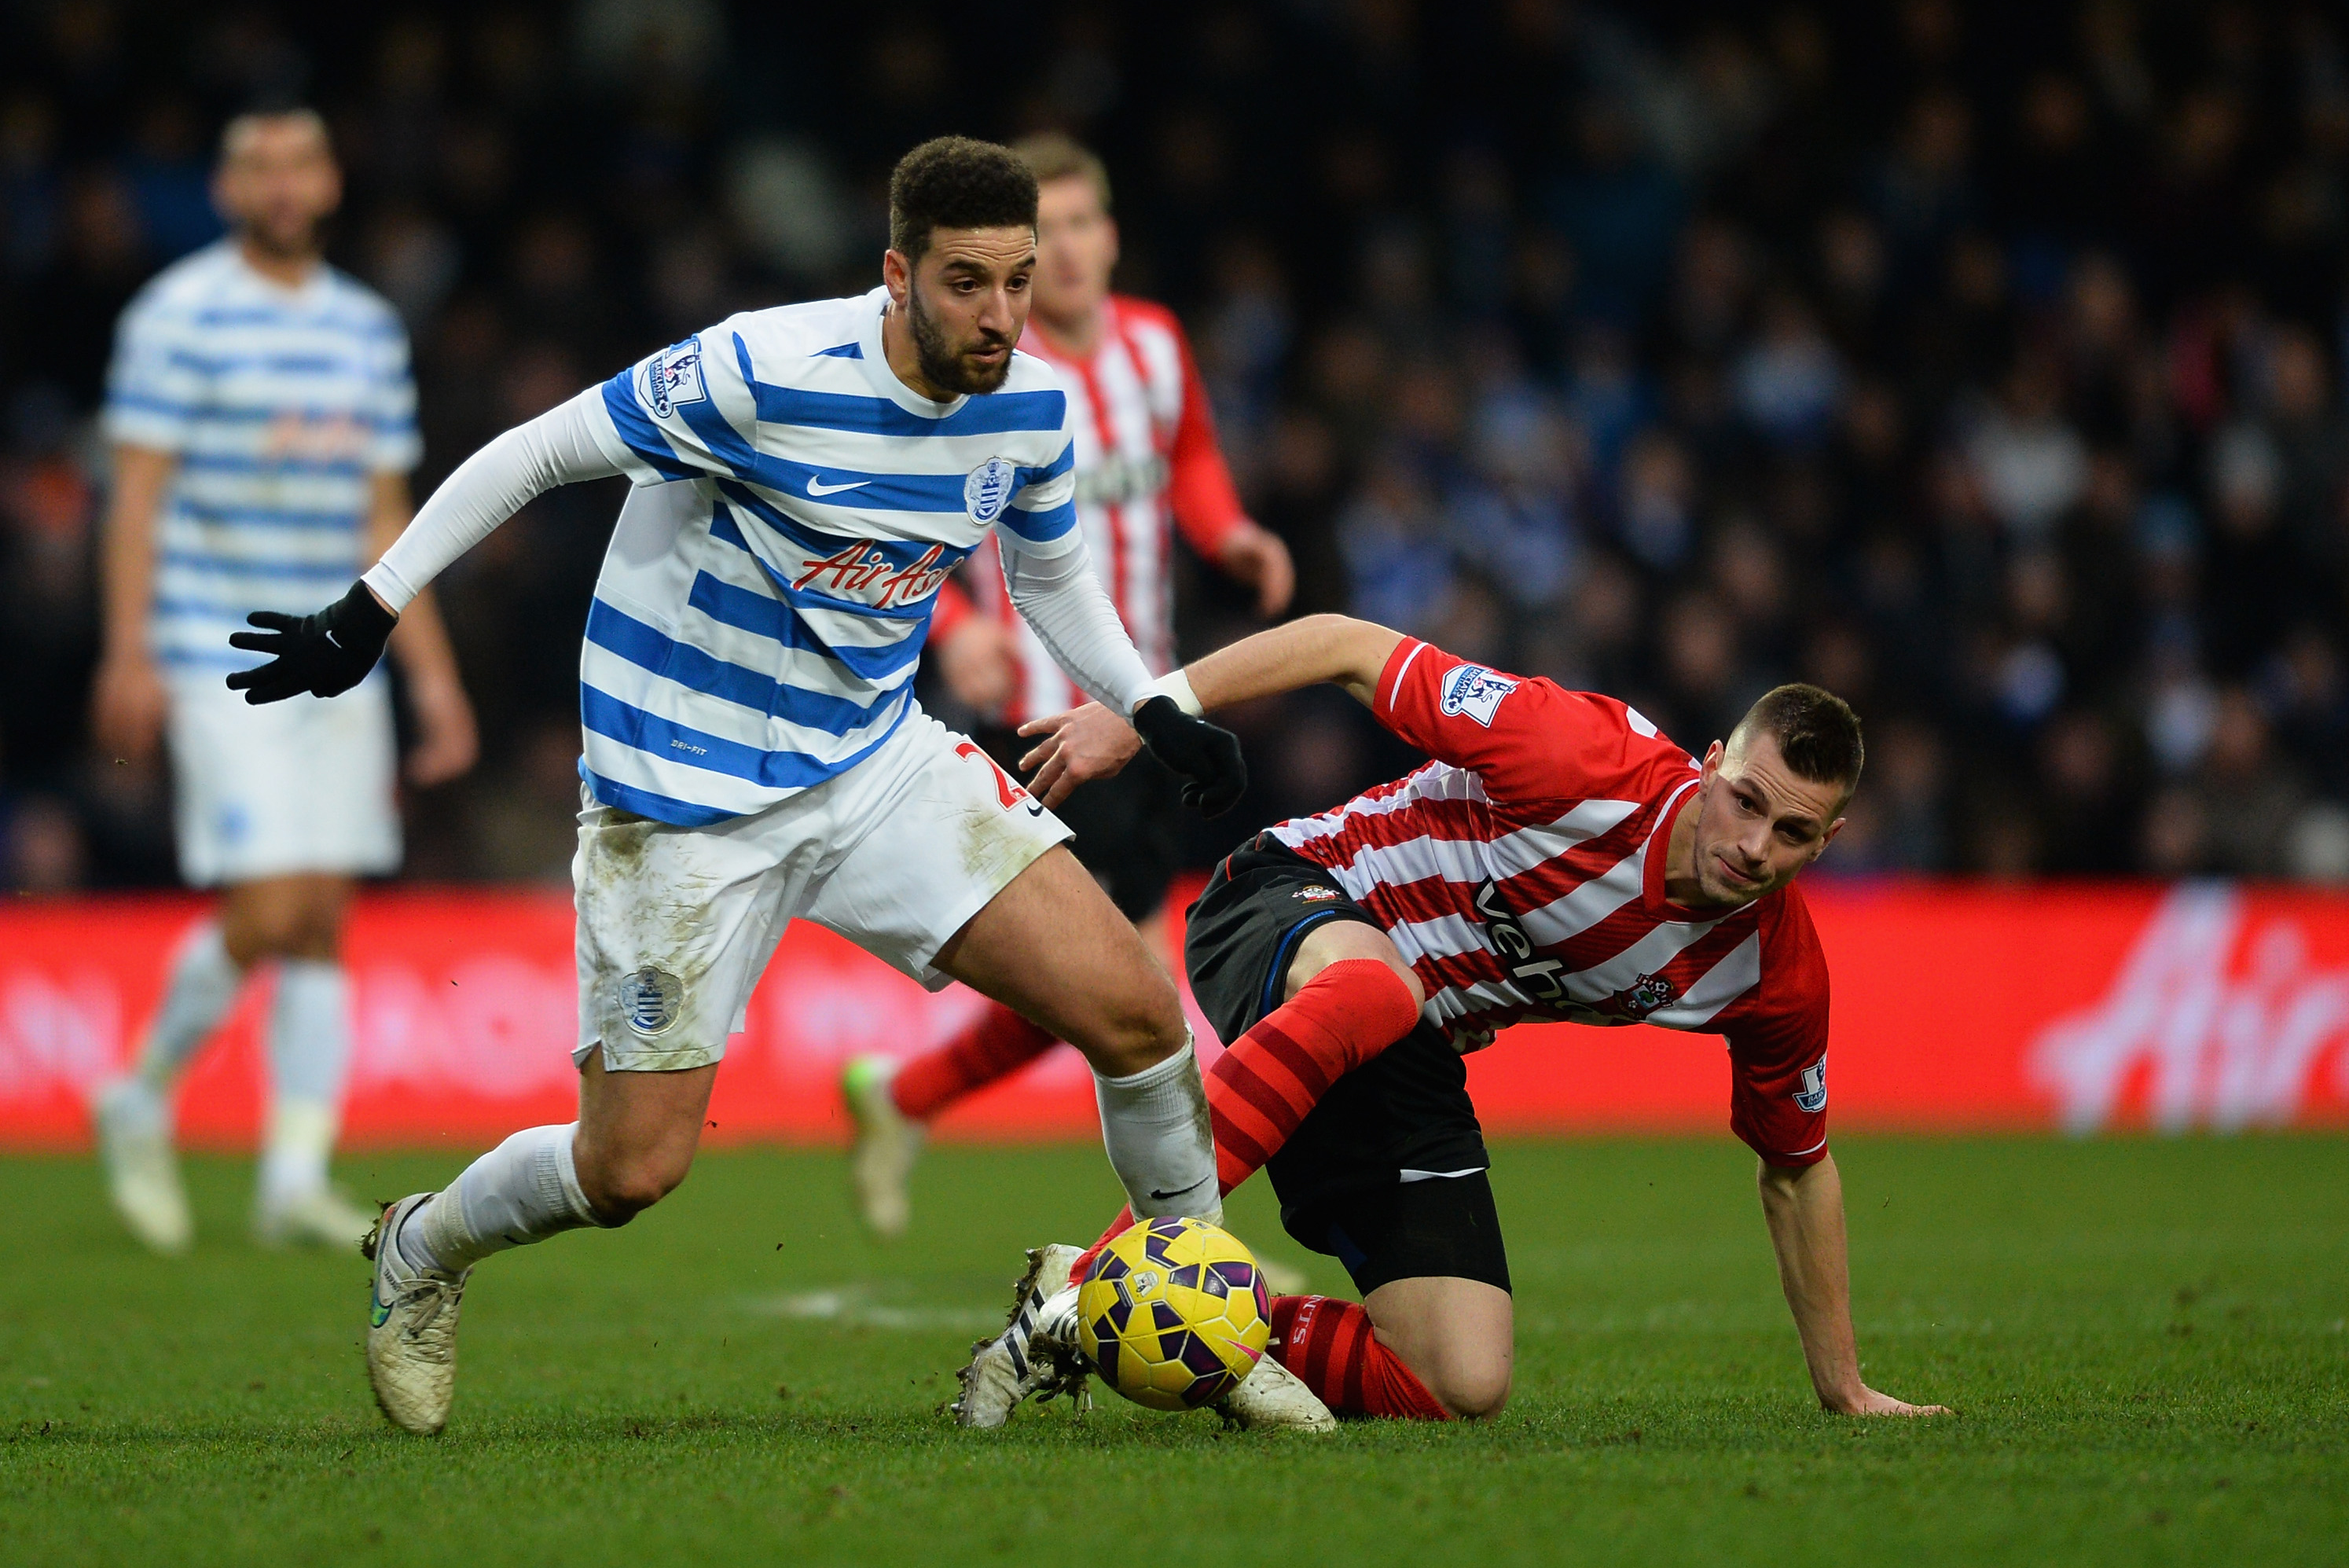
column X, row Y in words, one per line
column 1155, row 1128
column 309, row 1046
column 523, row 1191
column 294, row 1155
column 202, row 987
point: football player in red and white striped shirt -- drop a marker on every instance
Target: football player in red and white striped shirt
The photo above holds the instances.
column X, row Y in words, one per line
column 1147, row 465
column 1559, row 859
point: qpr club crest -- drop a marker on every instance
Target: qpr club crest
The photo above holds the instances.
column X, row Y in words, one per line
column 1472, row 690
column 650, row 1000
column 988, row 490
column 1812, row 1095
column 674, row 376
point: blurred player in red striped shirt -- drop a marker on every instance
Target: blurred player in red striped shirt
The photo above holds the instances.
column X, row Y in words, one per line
column 1147, row 465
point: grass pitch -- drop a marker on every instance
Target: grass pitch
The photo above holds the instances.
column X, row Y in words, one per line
column 2144, row 1340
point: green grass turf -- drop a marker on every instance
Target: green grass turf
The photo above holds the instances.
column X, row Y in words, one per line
column 2145, row 1340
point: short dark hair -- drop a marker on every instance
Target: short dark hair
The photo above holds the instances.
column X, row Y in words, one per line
column 1052, row 155
column 956, row 182
column 1817, row 734
column 270, row 108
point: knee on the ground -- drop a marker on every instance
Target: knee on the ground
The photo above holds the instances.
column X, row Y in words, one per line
column 1471, row 1388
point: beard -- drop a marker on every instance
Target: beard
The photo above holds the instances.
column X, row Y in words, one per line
column 942, row 363
column 285, row 238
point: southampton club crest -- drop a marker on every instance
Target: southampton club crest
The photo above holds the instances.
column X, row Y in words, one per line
column 673, row 377
column 1645, row 994
column 650, row 1000
column 987, row 490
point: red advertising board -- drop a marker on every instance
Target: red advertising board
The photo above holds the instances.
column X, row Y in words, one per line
column 1956, row 1006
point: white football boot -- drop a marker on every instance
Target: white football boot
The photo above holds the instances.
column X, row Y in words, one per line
column 320, row 1218
column 142, row 1172
column 881, row 1162
column 1036, row 1354
column 411, row 1346
column 1272, row 1399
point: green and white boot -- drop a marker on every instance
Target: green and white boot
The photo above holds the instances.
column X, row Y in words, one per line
column 412, row 1347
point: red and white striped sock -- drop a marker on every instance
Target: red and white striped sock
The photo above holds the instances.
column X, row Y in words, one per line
column 997, row 1045
column 1330, row 1346
column 1263, row 1086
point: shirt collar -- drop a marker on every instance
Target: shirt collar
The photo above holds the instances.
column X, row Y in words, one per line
column 309, row 291
column 884, row 379
column 1651, row 873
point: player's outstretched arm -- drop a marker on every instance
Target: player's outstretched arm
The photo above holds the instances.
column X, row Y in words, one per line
column 1058, row 596
column 1804, row 1205
column 328, row 653
column 1093, row 742
column 1333, row 647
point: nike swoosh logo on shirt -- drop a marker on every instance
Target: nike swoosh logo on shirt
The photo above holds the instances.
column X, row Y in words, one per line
column 1158, row 1197
column 818, row 487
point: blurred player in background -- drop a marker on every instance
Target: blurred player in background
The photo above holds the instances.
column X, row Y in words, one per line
column 263, row 424
column 1147, row 464
column 805, row 478
column 1560, row 860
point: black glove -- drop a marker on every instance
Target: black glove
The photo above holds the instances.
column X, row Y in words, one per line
column 1214, row 776
column 324, row 654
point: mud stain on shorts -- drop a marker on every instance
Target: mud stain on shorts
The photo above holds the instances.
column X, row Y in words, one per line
column 995, row 845
column 647, row 923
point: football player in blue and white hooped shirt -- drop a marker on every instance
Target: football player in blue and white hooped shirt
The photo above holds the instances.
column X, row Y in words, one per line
column 806, row 478
column 264, row 423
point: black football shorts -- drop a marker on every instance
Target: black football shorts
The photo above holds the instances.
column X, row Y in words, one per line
column 1125, row 826
column 1387, row 1173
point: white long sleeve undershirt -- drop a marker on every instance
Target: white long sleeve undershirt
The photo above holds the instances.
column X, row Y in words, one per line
column 554, row 449
column 1065, row 602
column 1058, row 593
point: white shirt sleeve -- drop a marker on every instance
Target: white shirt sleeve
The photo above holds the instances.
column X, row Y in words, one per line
column 393, row 445
column 562, row 446
column 157, row 384
column 1059, row 595
column 687, row 413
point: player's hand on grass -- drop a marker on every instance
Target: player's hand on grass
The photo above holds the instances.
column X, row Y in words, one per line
column 324, row 654
column 1084, row 743
column 447, row 742
column 128, row 703
column 1208, row 756
column 1869, row 1402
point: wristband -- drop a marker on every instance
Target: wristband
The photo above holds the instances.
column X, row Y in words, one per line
column 1177, row 685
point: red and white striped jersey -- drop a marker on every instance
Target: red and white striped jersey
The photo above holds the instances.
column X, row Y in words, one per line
column 1147, row 463
column 1522, row 876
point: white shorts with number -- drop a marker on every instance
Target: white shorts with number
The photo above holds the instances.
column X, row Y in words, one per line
column 304, row 785
column 676, row 924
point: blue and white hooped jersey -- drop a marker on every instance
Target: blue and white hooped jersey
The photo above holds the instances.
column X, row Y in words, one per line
column 764, row 601
column 281, row 405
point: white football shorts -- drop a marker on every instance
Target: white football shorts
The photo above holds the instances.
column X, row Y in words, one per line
column 304, row 785
column 676, row 924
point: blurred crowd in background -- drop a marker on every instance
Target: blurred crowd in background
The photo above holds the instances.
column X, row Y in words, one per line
column 1982, row 363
